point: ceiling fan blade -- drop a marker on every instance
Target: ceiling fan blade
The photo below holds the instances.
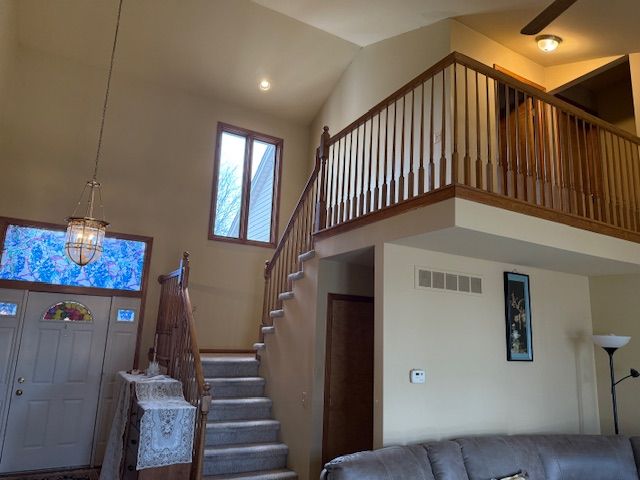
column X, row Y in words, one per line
column 547, row 16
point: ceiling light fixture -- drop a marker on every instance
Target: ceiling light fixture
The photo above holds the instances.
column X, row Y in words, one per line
column 265, row 85
column 85, row 234
column 548, row 43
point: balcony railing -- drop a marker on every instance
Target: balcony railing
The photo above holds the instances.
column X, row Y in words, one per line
column 465, row 128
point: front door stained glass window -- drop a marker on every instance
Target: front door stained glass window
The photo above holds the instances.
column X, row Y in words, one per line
column 8, row 309
column 34, row 254
column 68, row 311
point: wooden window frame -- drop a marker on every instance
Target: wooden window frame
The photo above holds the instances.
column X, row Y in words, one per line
column 250, row 136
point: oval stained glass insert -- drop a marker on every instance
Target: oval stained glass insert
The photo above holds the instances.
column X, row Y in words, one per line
column 68, row 311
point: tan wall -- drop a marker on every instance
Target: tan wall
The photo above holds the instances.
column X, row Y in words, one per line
column 293, row 362
column 488, row 51
column 377, row 71
column 156, row 171
column 615, row 307
column 8, row 44
column 459, row 339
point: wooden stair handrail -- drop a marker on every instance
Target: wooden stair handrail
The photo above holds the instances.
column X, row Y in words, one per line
column 182, row 333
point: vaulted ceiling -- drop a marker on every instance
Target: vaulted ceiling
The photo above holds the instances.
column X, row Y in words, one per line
column 219, row 48
column 223, row 48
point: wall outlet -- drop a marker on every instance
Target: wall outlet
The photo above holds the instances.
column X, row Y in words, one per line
column 417, row 376
column 304, row 399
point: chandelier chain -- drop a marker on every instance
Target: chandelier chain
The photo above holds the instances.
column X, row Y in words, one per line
column 106, row 95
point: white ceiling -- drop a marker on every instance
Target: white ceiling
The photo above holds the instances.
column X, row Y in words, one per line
column 219, row 48
column 364, row 22
column 589, row 28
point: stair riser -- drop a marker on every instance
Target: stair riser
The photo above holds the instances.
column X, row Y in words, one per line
column 240, row 464
column 249, row 412
column 237, row 436
column 228, row 370
column 237, row 391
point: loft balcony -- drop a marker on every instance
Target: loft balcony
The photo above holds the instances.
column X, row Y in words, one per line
column 466, row 130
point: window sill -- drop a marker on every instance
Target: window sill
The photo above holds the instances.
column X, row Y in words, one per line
column 242, row 241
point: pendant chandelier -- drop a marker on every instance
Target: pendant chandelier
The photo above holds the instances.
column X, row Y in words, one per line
column 85, row 234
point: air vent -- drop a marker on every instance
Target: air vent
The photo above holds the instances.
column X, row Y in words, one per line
column 447, row 281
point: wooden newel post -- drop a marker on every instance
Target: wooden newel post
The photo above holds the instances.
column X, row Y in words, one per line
column 321, row 158
column 184, row 275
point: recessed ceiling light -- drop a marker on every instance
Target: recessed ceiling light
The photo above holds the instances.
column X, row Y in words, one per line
column 548, row 43
column 264, row 85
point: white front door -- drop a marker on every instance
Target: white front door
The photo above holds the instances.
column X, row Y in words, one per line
column 56, row 386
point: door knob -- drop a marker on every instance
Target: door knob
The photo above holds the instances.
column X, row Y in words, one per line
column 21, row 380
column 18, row 392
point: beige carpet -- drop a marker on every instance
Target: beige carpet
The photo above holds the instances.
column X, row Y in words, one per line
column 85, row 474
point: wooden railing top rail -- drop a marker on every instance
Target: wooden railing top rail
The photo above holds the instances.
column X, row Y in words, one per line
column 459, row 58
column 541, row 95
column 294, row 214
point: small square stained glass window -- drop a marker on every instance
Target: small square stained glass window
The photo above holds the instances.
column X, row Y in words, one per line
column 125, row 315
column 8, row 309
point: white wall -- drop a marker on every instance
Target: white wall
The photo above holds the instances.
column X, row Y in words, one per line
column 156, row 171
column 460, row 341
column 615, row 307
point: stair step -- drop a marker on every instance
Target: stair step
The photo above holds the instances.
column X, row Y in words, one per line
column 268, row 329
column 228, row 409
column 276, row 313
column 236, row 387
column 303, row 257
column 244, row 458
column 285, row 296
column 296, row 276
column 230, row 366
column 263, row 475
column 259, row 346
column 242, row 432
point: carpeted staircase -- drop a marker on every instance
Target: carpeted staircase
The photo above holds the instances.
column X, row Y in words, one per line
column 242, row 437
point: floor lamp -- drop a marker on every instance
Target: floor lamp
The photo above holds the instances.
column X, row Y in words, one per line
column 611, row 343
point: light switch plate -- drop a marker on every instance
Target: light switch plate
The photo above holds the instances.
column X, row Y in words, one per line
column 417, row 376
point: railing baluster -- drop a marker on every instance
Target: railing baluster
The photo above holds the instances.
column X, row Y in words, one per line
column 392, row 184
column 490, row 166
column 479, row 181
column 385, row 188
column 529, row 156
column 455, row 161
column 421, row 172
column 401, row 195
column 369, row 171
column 500, row 173
column 511, row 181
column 582, row 210
column 467, row 157
column 410, row 177
column 443, row 139
column 432, row 167
column 588, row 174
column 377, row 177
column 520, row 182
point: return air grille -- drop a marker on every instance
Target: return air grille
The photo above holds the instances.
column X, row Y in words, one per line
column 448, row 281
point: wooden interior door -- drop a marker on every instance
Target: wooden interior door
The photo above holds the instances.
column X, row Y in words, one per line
column 348, row 405
column 56, row 386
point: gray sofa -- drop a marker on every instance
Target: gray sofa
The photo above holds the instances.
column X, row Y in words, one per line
column 543, row 457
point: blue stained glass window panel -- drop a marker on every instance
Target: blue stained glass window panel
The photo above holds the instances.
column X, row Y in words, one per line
column 125, row 315
column 8, row 309
column 37, row 255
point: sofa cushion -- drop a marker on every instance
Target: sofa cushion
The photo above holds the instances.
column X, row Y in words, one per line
column 390, row 463
column 446, row 460
column 635, row 445
column 569, row 457
column 501, row 456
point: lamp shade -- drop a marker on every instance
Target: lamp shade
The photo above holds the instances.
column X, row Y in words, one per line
column 610, row 341
column 84, row 239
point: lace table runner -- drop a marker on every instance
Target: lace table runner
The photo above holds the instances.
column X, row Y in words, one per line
column 166, row 427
